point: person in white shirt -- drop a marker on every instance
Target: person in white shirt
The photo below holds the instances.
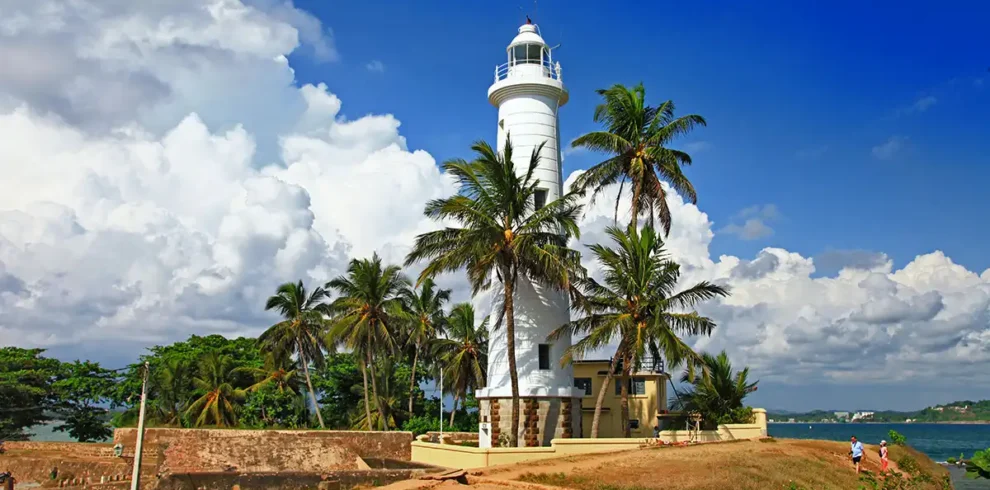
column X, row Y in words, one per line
column 856, row 450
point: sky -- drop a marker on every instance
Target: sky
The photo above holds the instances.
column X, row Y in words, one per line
column 166, row 165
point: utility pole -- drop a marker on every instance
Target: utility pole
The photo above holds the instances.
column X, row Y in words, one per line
column 441, row 404
column 139, row 447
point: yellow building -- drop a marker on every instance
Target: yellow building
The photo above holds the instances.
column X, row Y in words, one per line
column 647, row 398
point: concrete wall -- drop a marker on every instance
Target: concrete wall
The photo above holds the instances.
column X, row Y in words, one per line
column 449, row 456
column 217, row 450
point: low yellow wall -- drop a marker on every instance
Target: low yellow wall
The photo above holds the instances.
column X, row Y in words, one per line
column 451, row 456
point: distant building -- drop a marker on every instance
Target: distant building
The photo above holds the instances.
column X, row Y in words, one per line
column 862, row 415
column 841, row 415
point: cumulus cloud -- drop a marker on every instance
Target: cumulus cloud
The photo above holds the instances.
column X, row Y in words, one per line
column 868, row 323
column 889, row 148
column 753, row 222
column 174, row 200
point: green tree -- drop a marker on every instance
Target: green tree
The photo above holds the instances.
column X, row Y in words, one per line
column 636, row 137
column 424, row 319
column 220, row 396
column 638, row 304
column 500, row 234
column 171, row 381
column 269, row 406
column 464, row 353
column 26, row 396
column 363, row 313
column 81, row 386
column 717, row 396
column 387, row 399
column 302, row 331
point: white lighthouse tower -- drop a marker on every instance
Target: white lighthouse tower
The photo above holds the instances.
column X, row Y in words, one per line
column 528, row 92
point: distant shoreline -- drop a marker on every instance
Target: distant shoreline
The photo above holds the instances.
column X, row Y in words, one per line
column 961, row 422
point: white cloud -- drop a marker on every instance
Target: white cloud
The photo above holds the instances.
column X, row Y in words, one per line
column 753, row 223
column 375, row 66
column 868, row 323
column 205, row 176
column 890, row 148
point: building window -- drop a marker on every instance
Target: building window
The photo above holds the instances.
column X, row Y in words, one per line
column 633, row 423
column 527, row 54
column 583, row 384
column 544, row 357
column 637, row 386
column 540, row 198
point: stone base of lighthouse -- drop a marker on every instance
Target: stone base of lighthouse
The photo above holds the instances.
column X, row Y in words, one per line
column 541, row 419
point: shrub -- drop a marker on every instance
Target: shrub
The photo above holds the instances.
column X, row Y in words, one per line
column 979, row 465
column 896, row 438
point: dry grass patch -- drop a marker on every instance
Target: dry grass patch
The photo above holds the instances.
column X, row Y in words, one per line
column 750, row 465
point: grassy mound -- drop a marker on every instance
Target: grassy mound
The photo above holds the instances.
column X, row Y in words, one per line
column 751, row 465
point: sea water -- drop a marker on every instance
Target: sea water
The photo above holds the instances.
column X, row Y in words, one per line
column 938, row 441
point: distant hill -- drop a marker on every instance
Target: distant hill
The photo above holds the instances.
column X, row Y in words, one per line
column 964, row 411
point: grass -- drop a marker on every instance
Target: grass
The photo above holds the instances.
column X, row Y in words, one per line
column 764, row 465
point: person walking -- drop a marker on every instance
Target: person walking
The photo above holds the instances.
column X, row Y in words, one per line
column 884, row 461
column 856, row 450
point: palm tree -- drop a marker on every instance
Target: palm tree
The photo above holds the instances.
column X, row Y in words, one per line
column 171, row 381
column 464, row 353
column 363, row 315
column 719, row 394
column 388, row 410
column 302, row 331
column 636, row 303
column 501, row 235
column 636, row 136
column 424, row 317
column 278, row 372
column 216, row 381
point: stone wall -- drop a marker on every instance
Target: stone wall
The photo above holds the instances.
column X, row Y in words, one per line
column 218, row 450
column 336, row 480
column 540, row 419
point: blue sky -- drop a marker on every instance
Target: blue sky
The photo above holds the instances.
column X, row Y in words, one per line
column 796, row 96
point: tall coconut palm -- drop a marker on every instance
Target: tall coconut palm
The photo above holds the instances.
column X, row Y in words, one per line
column 366, row 315
column 636, row 303
column 500, row 234
column 464, row 353
column 301, row 332
column 220, row 396
column 387, row 402
column 636, row 137
column 718, row 395
column 423, row 317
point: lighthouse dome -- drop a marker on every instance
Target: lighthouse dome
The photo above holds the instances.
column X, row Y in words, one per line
column 527, row 35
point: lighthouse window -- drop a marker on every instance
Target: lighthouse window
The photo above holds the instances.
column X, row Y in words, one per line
column 527, row 53
column 544, row 357
column 540, row 198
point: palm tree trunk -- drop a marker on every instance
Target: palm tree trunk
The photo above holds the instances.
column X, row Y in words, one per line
column 601, row 394
column 637, row 190
column 367, row 403
column 309, row 384
column 624, row 393
column 510, row 336
column 374, row 392
column 412, row 379
column 454, row 410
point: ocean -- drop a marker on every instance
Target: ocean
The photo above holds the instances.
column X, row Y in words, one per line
column 938, row 441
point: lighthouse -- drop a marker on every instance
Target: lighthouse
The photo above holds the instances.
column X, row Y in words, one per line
column 528, row 91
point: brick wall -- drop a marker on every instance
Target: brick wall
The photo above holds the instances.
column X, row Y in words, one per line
column 540, row 419
column 217, row 450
